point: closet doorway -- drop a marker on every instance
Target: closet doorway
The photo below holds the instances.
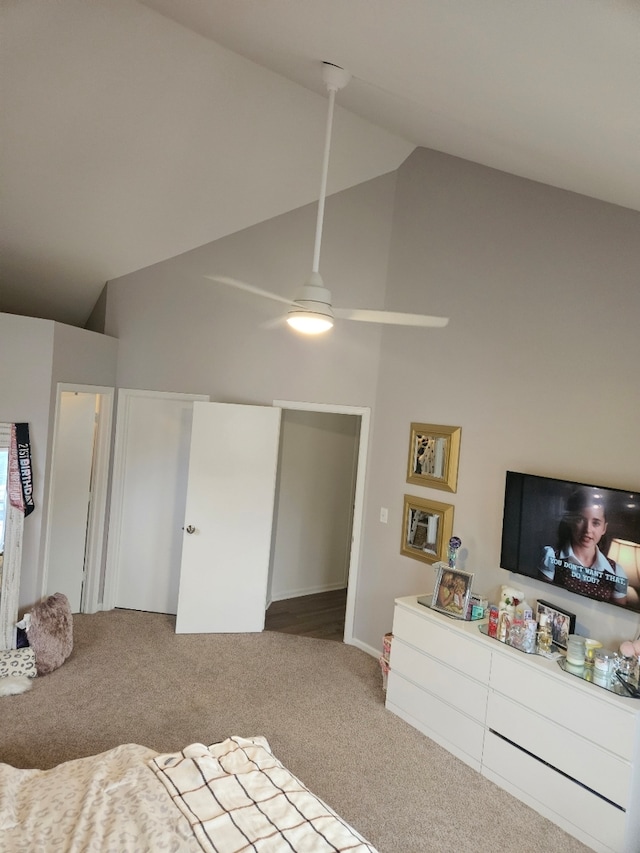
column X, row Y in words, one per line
column 317, row 520
column 76, row 510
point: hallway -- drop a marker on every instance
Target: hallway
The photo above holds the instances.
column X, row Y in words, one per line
column 320, row 615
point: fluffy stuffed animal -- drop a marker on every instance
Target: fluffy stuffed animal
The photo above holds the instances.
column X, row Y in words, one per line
column 510, row 597
column 13, row 684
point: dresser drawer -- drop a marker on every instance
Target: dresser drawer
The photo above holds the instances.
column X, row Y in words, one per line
column 597, row 768
column 583, row 712
column 450, row 646
column 437, row 719
column 580, row 812
column 464, row 693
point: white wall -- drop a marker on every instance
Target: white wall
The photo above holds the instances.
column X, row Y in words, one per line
column 314, row 504
column 26, row 346
column 36, row 355
column 539, row 365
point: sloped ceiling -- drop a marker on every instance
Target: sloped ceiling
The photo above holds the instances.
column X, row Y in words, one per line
column 134, row 131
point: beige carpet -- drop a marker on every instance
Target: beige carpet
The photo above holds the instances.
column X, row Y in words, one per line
column 320, row 704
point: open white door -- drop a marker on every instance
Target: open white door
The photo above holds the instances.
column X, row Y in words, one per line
column 229, row 517
column 75, row 527
column 70, row 495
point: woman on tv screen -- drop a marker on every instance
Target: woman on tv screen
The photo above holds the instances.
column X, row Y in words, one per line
column 577, row 561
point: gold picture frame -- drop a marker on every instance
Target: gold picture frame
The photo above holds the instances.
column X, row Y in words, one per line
column 434, row 452
column 426, row 529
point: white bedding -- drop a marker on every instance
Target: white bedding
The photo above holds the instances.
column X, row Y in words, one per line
column 233, row 796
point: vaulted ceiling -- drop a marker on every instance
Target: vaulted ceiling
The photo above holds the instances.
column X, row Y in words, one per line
column 134, row 131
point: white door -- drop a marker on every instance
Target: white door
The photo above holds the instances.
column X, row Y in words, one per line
column 153, row 431
column 70, row 495
column 228, row 519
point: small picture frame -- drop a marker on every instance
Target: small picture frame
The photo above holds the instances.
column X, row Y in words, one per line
column 426, row 529
column 452, row 592
column 561, row 622
column 433, row 456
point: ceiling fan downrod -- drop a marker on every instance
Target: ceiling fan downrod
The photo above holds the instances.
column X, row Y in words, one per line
column 312, row 312
column 335, row 79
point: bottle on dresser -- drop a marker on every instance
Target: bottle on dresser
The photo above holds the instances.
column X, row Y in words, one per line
column 545, row 637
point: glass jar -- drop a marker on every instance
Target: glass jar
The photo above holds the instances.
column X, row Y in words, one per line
column 603, row 663
column 576, row 650
column 627, row 666
column 591, row 647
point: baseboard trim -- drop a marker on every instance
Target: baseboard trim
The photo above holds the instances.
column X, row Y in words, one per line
column 365, row 647
column 300, row 593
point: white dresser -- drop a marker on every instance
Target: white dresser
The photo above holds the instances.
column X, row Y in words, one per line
column 567, row 748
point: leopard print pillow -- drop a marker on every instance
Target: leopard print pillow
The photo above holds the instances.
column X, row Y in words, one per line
column 18, row 662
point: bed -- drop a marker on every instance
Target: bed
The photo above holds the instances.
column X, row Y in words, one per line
column 229, row 797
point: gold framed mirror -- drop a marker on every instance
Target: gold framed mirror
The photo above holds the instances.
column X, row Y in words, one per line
column 434, row 452
column 426, row 529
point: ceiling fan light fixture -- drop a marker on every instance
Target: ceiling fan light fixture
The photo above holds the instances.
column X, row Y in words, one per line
column 311, row 312
column 309, row 322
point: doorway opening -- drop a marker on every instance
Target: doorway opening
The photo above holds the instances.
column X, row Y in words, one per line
column 77, row 502
column 317, row 519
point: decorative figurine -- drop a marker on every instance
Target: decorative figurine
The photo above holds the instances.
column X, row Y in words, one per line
column 454, row 544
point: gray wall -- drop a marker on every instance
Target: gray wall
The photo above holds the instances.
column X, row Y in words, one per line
column 538, row 365
column 180, row 332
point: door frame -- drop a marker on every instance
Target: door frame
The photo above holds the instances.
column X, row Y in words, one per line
column 96, row 521
column 364, row 413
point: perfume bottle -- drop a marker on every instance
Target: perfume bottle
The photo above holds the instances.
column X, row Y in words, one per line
column 504, row 624
column 452, row 552
column 529, row 636
column 545, row 638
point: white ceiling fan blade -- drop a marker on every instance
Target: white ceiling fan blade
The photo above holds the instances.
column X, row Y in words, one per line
column 275, row 323
column 396, row 318
column 242, row 285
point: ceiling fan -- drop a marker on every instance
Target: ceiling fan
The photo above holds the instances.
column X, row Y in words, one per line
column 310, row 310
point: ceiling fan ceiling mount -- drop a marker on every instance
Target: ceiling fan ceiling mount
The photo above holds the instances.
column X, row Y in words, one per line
column 335, row 78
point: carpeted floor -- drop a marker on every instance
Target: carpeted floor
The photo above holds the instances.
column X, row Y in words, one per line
column 320, row 704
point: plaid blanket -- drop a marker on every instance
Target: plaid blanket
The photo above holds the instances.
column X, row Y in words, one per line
column 238, row 797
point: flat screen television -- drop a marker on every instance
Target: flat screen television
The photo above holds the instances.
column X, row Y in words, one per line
column 581, row 537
